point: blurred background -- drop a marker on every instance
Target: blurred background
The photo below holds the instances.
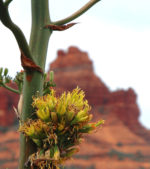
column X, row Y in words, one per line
column 107, row 55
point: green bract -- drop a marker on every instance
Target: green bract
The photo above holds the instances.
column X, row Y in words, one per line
column 60, row 125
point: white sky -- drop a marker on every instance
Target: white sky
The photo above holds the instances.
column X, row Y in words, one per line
column 115, row 33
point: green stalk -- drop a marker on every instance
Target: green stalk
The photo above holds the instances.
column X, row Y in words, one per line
column 38, row 46
column 78, row 13
column 10, row 89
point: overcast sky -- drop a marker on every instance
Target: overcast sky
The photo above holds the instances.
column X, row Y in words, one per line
column 115, row 33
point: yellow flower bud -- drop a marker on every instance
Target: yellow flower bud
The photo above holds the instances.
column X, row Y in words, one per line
column 100, row 122
column 34, row 129
column 80, row 117
column 91, row 127
column 56, row 153
column 61, row 126
column 54, row 117
column 70, row 115
column 62, row 110
column 38, row 142
column 44, row 114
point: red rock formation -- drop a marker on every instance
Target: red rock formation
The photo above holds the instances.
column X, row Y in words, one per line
column 9, row 150
column 73, row 68
column 122, row 143
column 7, row 101
column 74, row 57
column 123, row 104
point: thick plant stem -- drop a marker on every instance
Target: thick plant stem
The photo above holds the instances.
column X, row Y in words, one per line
column 39, row 36
column 38, row 47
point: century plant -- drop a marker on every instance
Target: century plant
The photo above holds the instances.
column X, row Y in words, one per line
column 50, row 126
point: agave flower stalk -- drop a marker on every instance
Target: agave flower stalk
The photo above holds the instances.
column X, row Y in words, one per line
column 33, row 58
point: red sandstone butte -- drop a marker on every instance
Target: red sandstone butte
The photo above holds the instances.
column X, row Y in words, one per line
column 122, row 143
column 74, row 68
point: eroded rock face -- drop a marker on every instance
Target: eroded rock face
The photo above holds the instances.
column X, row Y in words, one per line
column 74, row 68
column 73, row 58
column 122, row 143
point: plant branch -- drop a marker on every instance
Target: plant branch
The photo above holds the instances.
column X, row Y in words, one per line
column 77, row 13
column 11, row 89
column 6, row 20
column 7, row 2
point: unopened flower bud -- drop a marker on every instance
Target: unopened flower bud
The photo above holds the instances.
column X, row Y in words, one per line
column 70, row 115
column 5, row 72
column 54, row 117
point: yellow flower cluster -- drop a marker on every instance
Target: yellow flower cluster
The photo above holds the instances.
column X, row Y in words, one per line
column 59, row 127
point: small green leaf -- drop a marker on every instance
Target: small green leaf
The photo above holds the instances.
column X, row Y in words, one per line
column 52, row 152
column 41, row 152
